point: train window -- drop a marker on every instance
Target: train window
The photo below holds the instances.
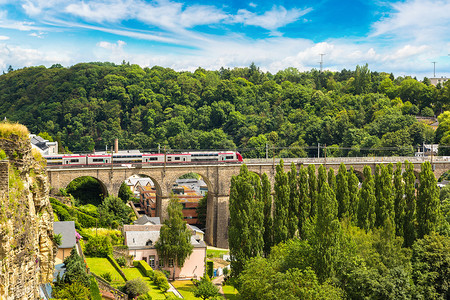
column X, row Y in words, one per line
column 169, row 159
column 97, row 160
column 177, row 158
column 74, row 160
column 229, row 157
column 153, row 158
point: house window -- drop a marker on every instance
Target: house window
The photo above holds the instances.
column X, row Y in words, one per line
column 151, row 261
column 149, row 243
column 161, row 263
column 170, row 262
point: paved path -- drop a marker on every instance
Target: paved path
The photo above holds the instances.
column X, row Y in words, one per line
column 174, row 290
column 218, row 282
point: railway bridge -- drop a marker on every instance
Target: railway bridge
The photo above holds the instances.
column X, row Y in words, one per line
column 218, row 179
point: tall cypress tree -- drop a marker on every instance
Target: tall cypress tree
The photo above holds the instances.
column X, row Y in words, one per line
column 312, row 185
column 245, row 230
column 294, row 200
column 342, row 192
column 385, row 202
column 281, row 202
column 399, row 200
column 367, row 200
column 332, row 180
column 305, row 202
column 326, row 231
column 409, row 222
column 428, row 204
column 353, row 183
column 322, row 178
column 268, row 221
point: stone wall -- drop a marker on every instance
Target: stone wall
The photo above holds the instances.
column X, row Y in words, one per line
column 26, row 223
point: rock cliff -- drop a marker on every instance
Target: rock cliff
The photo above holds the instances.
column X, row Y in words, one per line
column 27, row 249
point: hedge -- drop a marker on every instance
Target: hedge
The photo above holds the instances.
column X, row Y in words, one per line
column 161, row 281
column 116, row 266
column 210, row 268
column 66, row 213
column 145, row 268
column 95, row 291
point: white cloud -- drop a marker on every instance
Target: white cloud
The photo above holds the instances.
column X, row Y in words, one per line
column 420, row 20
column 272, row 20
column 106, row 45
column 4, row 37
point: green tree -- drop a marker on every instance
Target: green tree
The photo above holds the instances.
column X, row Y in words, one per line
column 201, row 211
column 312, row 186
column 399, row 200
column 245, row 230
column 326, row 233
column 353, row 183
column 331, row 179
column 322, row 178
column 385, row 202
column 75, row 270
column 98, row 246
column 304, row 201
column 431, row 267
column 409, row 222
column 294, row 202
column 113, row 212
column 206, row 289
column 367, row 201
column 175, row 238
column 268, row 221
column 281, row 203
column 125, row 192
column 428, row 204
column 342, row 192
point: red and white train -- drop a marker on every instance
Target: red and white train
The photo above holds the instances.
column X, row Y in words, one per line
column 137, row 157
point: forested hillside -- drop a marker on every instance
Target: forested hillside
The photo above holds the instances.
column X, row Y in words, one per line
column 87, row 105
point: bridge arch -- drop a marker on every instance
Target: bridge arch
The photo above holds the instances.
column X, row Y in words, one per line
column 88, row 184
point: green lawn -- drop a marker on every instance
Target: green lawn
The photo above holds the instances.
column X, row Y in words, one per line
column 185, row 288
column 210, row 253
column 230, row 292
column 99, row 265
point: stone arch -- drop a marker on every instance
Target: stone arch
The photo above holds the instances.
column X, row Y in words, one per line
column 103, row 186
column 158, row 191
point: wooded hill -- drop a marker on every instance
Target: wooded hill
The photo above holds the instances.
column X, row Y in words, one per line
column 87, row 105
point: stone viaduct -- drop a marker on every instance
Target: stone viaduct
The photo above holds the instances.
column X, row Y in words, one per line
column 218, row 179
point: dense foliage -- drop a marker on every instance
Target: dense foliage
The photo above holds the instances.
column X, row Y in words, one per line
column 87, row 105
column 384, row 246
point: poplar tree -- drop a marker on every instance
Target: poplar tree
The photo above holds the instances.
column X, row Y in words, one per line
column 294, row 200
column 367, row 200
column 353, row 184
column 245, row 230
column 332, row 180
column 342, row 192
column 312, row 185
column 409, row 222
column 399, row 200
column 305, row 202
column 385, row 202
column 268, row 221
column 428, row 205
column 326, row 231
column 281, row 202
column 175, row 238
column 321, row 178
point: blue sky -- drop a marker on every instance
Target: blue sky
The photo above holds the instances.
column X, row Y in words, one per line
column 402, row 37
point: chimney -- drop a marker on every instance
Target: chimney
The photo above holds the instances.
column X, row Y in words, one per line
column 116, row 145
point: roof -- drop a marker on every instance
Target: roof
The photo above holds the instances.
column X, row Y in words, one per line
column 67, row 231
column 146, row 219
column 136, row 238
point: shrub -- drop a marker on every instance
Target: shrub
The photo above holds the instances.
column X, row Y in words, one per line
column 121, row 261
column 107, row 276
column 135, row 263
column 145, row 268
column 116, row 266
column 136, row 287
column 210, row 268
column 160, row 280
column 98, row 246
